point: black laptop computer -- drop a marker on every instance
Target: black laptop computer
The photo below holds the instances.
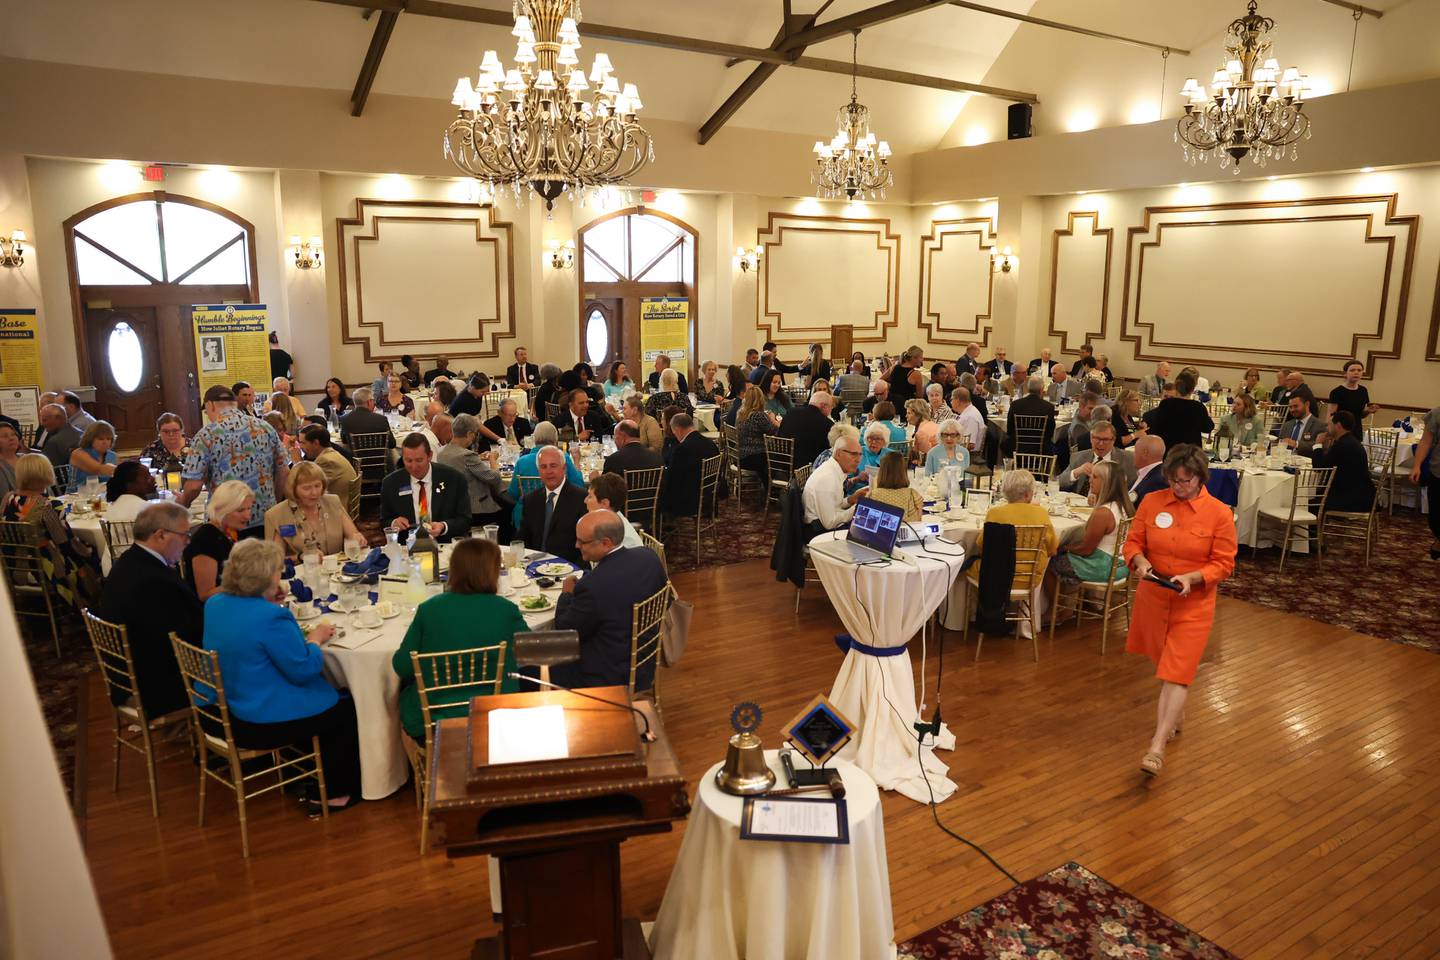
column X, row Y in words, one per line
column 873, row 531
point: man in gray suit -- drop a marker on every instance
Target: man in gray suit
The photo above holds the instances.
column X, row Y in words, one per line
column 60, row 437
column 1301, row 429
column 1102, row 448
column 1063, row 386
column 1154, row 385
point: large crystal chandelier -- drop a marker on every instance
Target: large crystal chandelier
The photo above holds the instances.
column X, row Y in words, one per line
column 1251, row 107
column 540, row 122
column 854, row 162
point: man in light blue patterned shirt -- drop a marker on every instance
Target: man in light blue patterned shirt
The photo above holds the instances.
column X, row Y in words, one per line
column 233, row 446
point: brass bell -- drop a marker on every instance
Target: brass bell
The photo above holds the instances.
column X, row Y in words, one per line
column 745, row 770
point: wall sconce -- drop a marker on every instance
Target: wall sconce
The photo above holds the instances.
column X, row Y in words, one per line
column 561, row 255
column 307, row 256
column 1002, row 260
column 12, row 251
column 747, row 258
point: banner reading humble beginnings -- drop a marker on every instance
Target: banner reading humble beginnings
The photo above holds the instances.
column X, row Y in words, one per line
column 231, row 344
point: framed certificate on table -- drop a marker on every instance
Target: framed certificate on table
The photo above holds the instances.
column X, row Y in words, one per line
column 795, row 819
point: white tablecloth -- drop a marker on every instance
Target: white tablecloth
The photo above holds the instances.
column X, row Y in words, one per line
column 883, row 606
column 87, row 527
column 1262, row 489
column 375, row 688
column 705, row 417
column 733, row 899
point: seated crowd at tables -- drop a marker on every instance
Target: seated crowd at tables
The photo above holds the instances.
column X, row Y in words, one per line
column 282, row 482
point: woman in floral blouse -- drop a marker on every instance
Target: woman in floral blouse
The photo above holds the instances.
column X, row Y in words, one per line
column 167, row 452
column 395, row 400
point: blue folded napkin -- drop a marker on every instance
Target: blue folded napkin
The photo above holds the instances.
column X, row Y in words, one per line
column 300, row 592
column 375, row 562
column 287, row 570
column 1403, row 425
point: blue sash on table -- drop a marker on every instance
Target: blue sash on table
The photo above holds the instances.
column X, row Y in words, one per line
column 847, row 643
column 1224, row 485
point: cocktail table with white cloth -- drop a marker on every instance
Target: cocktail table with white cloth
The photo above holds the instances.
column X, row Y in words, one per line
column 360, row 661
column 883, row 605
column 733, row 899
column 87, row 527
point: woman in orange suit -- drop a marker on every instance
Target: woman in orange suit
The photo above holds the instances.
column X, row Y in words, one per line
column 1187, row 537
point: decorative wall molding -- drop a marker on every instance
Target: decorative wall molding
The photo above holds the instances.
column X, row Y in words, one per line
column 1295, row 278
column 1102, row 309
column 972, row 328
column 824, row 278
column 483, row 316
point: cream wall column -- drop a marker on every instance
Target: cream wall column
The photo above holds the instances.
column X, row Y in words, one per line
column 300, row 318
column 552, row 294
column 20, row 286
column 744, row 224
column 717, row 333
column 1019, row 315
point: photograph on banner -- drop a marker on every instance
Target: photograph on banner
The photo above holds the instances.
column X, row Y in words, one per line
column 665, row 328
column 21, row 404
column 231, row 344
column 19, row 348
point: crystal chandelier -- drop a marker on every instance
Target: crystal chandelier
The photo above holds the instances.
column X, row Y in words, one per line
column 534, row 123
column 853, row 163
column 1251, row 108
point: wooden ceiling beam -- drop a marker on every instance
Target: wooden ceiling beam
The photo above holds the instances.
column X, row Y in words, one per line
column 762, row 72
column 859, row 20
column 370, row 66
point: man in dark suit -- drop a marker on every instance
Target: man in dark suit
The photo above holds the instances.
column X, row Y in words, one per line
column 662, row 363
column 60, row 439
column 364, row 419
column 424, row 490
column 1301, row 429
column 1087, row 351
column 144, row 594
column 577, row 416
column 522, row 373
column 1149, row 468
column 600, row 604
column 630, row 453
column 1352, row 490
column 549, row 513
column 506, row 425
column 1031, row 405
column 441, row 369
column 1041, row 365
column 999, row 366
column 809, row 426
column 681, row 495
column 1101, row 450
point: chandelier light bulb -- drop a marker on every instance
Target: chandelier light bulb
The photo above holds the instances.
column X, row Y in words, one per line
column 577, row 84
column 569, row 32
column 524, row 52
column 567, row 57
column 462, row 93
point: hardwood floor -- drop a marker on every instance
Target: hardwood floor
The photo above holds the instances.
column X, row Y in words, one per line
column 1295, row 817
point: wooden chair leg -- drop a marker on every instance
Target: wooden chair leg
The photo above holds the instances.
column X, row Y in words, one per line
column 237, row 778
column 115, row 778
column 150, row 769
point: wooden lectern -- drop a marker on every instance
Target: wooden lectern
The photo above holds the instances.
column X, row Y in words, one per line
column 556, row 825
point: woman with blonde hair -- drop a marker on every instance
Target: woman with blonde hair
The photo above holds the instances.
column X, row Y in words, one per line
column 927, row 431
column 1243, row 424
column 95, row 457
column 309, row 519
column 228, row 512
column 1129, row 425
column 710, row 389
column 815, row 367
column 1089, row 560
column 69, row 561
column 892, row 486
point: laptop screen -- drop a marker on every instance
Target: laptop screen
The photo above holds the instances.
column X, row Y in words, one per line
column 876, row 525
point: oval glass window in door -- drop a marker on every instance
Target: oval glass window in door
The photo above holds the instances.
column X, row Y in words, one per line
column 597, row 338
column 127, row 363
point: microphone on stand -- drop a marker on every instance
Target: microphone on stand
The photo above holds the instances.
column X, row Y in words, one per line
column 648, row 736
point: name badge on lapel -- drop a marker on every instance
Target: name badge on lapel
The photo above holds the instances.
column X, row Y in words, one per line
column 405, row 491
column 287, row 530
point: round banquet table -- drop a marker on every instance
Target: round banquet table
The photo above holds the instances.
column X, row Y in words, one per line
column 1261, row 489
column 86, row 526
column 360, row 662
column 705, row 417
column 733, row 899
column 882, row 607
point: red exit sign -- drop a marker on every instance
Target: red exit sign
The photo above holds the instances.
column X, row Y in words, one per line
column 154, row 173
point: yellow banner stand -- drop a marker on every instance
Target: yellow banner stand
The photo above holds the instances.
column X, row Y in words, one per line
column 665, row 328
column 231, row 344
column 19, row 348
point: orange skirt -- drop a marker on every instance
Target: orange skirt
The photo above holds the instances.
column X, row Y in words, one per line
column 1171, row 630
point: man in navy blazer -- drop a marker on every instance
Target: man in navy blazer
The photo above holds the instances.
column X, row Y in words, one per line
column 599, row 605
column 145, row 594
column 1149, row 468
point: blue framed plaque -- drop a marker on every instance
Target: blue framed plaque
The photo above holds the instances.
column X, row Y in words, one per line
column 820, row 731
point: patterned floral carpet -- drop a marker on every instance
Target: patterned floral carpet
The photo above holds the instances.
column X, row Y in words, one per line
column 1066, row 914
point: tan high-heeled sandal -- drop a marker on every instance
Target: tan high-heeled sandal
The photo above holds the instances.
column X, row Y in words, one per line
column 1151, row 764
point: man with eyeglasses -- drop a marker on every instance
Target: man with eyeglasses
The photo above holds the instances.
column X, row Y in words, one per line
column 145, row 594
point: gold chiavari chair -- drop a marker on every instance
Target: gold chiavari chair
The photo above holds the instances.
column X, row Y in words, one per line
column 1149, row 403
column 657, row 548
column 1274, row 416
column 1347, row 525
column 1306, row 513
column 1382, row 444
column 119, row 535
column 854, row 403
column 24, row 561
column 352, row 498
column 27, row 436
column 709, row 487
column 901, row 447
column 552, row 410
column 1030, row 433
column 527, row 483
column 802, row 474
column 209, row 711
column 117, row 666
column 811, row 575
column 1040, row 464
column 779, row 465
column 372, row 454
column 646, row 618
column 1100, row 600
column 445, row 684
column 737, row 475
column 642, row 497
column 64, row 476
column 1029, row 558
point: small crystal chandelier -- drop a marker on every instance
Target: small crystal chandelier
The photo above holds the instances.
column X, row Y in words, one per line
column 1251, row 108
column 533, row 123
column 854, row 162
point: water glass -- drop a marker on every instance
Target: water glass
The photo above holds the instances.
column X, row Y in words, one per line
column 354, row 550
column 517, row 552
column 492, row 533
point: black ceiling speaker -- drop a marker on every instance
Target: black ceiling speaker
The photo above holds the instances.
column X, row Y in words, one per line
column 1019, row 121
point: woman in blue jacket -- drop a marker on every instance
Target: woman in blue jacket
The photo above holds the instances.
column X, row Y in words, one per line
column 274, row 675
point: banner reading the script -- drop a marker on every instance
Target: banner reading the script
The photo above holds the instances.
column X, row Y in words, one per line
column 665, row 328
column 231, row 344
column 19, row 348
